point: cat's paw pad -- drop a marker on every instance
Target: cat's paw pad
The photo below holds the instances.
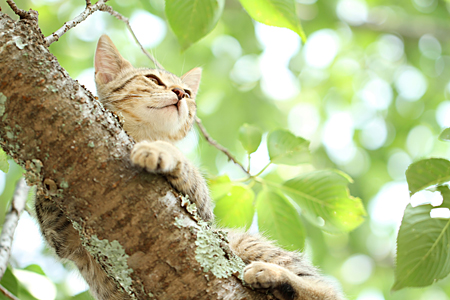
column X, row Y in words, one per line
column 264, row 275
column 154, row 157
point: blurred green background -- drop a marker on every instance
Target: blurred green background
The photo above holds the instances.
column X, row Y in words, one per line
column 370, row 89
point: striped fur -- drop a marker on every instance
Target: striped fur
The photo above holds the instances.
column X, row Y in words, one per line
column 288, row 275
column 156, row 115
column 158, row 109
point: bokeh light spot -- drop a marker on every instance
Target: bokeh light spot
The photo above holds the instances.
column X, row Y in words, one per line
column 377, row 93
column 397, row 164
column 303, row 120
column 387, row 207
column 226, row 45
column 420, row 141
column 410, row 83
column 321, row 48
column 430, row 46
column 354, row 12
column 149, row 29
column 390, row 47
column 373, row 134
column 357, row 269
column 246, row 69
column 443, row 114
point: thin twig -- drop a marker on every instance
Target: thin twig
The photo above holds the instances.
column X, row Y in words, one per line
column 11, row 220
column 262, row 170
column 7, row 293
column 120, row 17
column 23, row 14
column 89, row 10
column 248, row 163
column 210, row 140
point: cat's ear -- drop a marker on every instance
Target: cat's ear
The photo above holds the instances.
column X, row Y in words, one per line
column 192, row 79
column 108, row 61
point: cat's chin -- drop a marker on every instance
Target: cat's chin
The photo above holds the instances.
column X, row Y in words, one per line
column 178, row 111
column 167, row 124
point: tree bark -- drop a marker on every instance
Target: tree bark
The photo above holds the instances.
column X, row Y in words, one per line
column 76, row 153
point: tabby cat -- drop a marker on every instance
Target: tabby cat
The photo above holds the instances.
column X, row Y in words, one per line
column 159, row 110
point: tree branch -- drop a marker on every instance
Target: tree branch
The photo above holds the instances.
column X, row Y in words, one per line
column 78, row 156
column 7, row 293
column 120, row 17
column 23, row 14
column 10, row 224
column 89, row 10
column 215, row 144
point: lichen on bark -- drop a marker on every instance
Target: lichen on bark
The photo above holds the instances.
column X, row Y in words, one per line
column 211, row 256
column 211, row 244
column 113, row 256
column 2, row 104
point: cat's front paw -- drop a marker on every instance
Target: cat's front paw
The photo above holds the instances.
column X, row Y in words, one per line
column 260, row 274
column 157, row 157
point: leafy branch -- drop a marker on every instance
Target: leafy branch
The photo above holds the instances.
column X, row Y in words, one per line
column 322, row 196
column 215, row 144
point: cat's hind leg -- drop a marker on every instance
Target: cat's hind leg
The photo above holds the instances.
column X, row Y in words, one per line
column 286, row 285
column 287, row 274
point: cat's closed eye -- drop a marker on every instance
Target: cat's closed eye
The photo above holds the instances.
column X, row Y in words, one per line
column 155, row 79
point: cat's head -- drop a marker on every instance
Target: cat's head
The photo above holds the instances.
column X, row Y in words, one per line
column 154, row 103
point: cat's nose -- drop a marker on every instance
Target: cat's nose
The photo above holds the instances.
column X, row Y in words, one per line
column 179, row 92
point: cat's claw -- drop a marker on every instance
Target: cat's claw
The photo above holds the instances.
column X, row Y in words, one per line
column 155, row 157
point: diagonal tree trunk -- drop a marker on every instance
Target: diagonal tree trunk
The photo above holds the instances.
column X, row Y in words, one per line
column 76, row 153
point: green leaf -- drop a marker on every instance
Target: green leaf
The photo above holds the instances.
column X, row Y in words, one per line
column 250, row 137
column 445, row 192
column 445, row 135
column 191, row 20
column 35, row 269
column 279, row 13
column 235, row 209
column 9, row 281
column 286, row 148
column 4, row 165
column 279, row 220
column 83, row 296
column 325, row 201
column 427, row 172
column 24, row 294
column 423, row 252
column 219, row 186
